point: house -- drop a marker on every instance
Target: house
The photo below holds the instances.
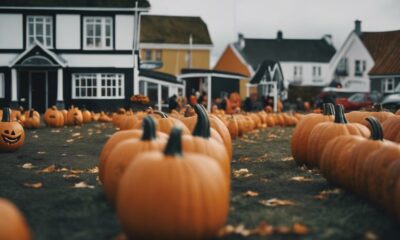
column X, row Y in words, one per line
column 69, row 52
column 368, row 61
column 171, row 43
column 304, row 62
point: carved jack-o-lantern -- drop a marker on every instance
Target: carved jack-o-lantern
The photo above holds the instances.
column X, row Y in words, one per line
column 74, row 117
column 53, row 117
column 12, row 134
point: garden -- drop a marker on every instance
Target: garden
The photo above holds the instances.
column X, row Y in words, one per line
column 193, row 174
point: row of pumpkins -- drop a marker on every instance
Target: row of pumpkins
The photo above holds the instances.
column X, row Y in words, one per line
column 359, row 151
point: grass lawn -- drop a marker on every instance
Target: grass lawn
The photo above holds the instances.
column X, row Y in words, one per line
column 55, row 209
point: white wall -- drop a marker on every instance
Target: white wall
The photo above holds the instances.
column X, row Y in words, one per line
column 307, row 78
column 124, row 32
column 6, row 58
column 11, row 30
column 68, row 31
column 98, row 60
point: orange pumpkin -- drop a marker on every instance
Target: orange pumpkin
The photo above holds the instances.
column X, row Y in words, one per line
column 12, row 134
column 74, row 117
column 32, row 121
column 391, row 128
column 86, row 116
column 173, row 195
column 53, row 117
column 233, row 127
column 13, row 225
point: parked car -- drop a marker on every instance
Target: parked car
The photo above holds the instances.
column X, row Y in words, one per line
column 391, row 102
column 359, row 101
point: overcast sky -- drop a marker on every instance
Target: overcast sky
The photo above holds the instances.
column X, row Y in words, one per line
column 296, row 18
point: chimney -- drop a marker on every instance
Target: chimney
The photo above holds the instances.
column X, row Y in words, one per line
column 279, row 35
column 241, row 40
column 328, row 39
column 357, row 27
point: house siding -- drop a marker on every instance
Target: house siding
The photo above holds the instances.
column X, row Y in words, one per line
column 377, row 83
column 124, row 25
column 12, row 32
column 68, row 31
column 4, row 102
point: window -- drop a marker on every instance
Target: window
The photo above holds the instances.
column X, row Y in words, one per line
column 316, row 71
column 357, row 68
column 388, row 85
column 2, row 86
column 40, row 28
column 295, row 71
column 298, row 71
column 147, row 54
column 98, row 85
column 98, row 32
column 158, row 55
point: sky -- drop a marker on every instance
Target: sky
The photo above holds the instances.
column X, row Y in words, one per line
column 296, row 18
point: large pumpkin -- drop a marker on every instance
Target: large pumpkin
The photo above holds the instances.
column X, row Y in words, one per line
column 32, row 120
column 53, row 117
column 12, row 134
column 303, row 129
column 124, row 153
column 173, row 195
column 74, row 117
column 323, row 132
column 391, row 128
column 13, row 225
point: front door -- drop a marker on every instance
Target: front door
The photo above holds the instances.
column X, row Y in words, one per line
column 38, row 91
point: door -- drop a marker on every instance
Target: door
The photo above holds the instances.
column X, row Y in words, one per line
column 38, row 91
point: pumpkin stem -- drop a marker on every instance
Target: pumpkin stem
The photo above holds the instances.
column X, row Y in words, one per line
column 202, row 128
column 6, row 114
column 149, row 129
column 31, row 113
column 162, row 114
column 339, row 114
column 174, row 145
column 328, row 109
column 377, row 131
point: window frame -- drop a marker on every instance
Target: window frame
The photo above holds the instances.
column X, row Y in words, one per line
column 386, row 83
column 103, row 36
column 2, row 85
column 44, row 34
column 358, row 66
column 158, row 55
column 119, row 86
column 148, row 55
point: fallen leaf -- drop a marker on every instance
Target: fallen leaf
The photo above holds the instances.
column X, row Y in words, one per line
column 70, row 176
column 63, row 169
column 35, row 136
column 282, row 229
column 324, row 194
column 63, row 154
column 274, row 202
column 242, row 230
column 76, row 134
column 263, row 157
column 244, row 159
column 82, row 185
column 55, row 131
column 69, row 140
column 34, row 185
column 285, row 159
column 49, row 169
column 300, row 229
column 226, row 230
column 264, row 229
column 41, row 153
column 300, row 179
column 27, row 166
column 76, row 171
column 369, row 235
column 250, row 194
column 243, row 172
column 93, row 170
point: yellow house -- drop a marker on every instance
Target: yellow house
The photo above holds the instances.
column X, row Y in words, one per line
column 172, row 43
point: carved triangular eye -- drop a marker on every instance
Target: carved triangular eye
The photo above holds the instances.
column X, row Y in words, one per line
column 13, row 133
column 6, row 132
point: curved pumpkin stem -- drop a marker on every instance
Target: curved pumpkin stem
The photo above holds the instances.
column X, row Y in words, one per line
column 202, row 128
column 339, row 114
column 174, row 145
column 54, row 107
column 328, row 109
column 162, row 114
column 377, row 131
column 31, row 113
column 149, row 129
column 6, row 114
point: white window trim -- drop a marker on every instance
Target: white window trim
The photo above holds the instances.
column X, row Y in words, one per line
column 103, row 34
column 386, row 84
column 2, row 85
column 44, row 30
column 98, row 86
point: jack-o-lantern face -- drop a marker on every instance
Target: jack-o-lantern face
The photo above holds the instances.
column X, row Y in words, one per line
column 53, row 117
column 12, row 134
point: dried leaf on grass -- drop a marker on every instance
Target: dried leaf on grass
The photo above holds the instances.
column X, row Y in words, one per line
column 243, row 172
column 300, row 179
column 27, row 166
column 274, row 202
column 324, row 194
column 263, row 157
column 300, row 229
column 76, row 171
column 35, row 136
column 67, row 176
column 70, row 140
column 263, row 229
column 244, row 159
column 48, row 169
column 76, row 134
column 285, row 159
column 82, row 185
column 41, row 153
column 55, row 131
column 93, row 170
column 250, row 194
column 369, row 235
column 34, row 185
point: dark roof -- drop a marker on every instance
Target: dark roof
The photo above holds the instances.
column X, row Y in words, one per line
column 384, row 48
column 165, row 77
column 208, row 71
column 263, row 70
column 173, row 29
column 74, row 3
column 299, row 50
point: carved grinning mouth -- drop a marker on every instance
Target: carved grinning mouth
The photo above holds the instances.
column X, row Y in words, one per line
column 10, row 140
column 52, row 116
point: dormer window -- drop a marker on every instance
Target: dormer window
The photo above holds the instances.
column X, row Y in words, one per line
column 98, row 32
column 40, row 28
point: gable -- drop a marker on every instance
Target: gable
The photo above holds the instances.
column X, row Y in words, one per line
column 230, row 62
column 37, row 55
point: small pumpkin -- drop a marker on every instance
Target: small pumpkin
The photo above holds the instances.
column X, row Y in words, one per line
column 53, row 117
column 74, row 117
column 181, row 195
column 12, row 134
column 233, row 127
column 13, row 225
column 86, row 116
column 32, row 121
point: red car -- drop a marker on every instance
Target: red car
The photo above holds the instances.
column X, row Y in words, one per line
column 357, row 101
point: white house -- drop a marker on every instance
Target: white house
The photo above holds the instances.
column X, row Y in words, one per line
column 69, row 52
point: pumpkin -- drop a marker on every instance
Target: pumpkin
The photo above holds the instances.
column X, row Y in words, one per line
column 74, row 117
column 32, row 121
column 53, row 117
column 95, row 116
column 13, row 225
column 391, row 190
column 129, row 121
column 301, row 133
column 34, row 113
column 65, row 115
column 123, row 154
column 377, row 111
column 398, row 112
column 391, row 128
column 12, row 134
column 86, row 116
column 233, row 127
column 118, row 116
column 173, row 195
column 165, row 124
column 323, row 132
column 202, row 142
column 104, row 117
